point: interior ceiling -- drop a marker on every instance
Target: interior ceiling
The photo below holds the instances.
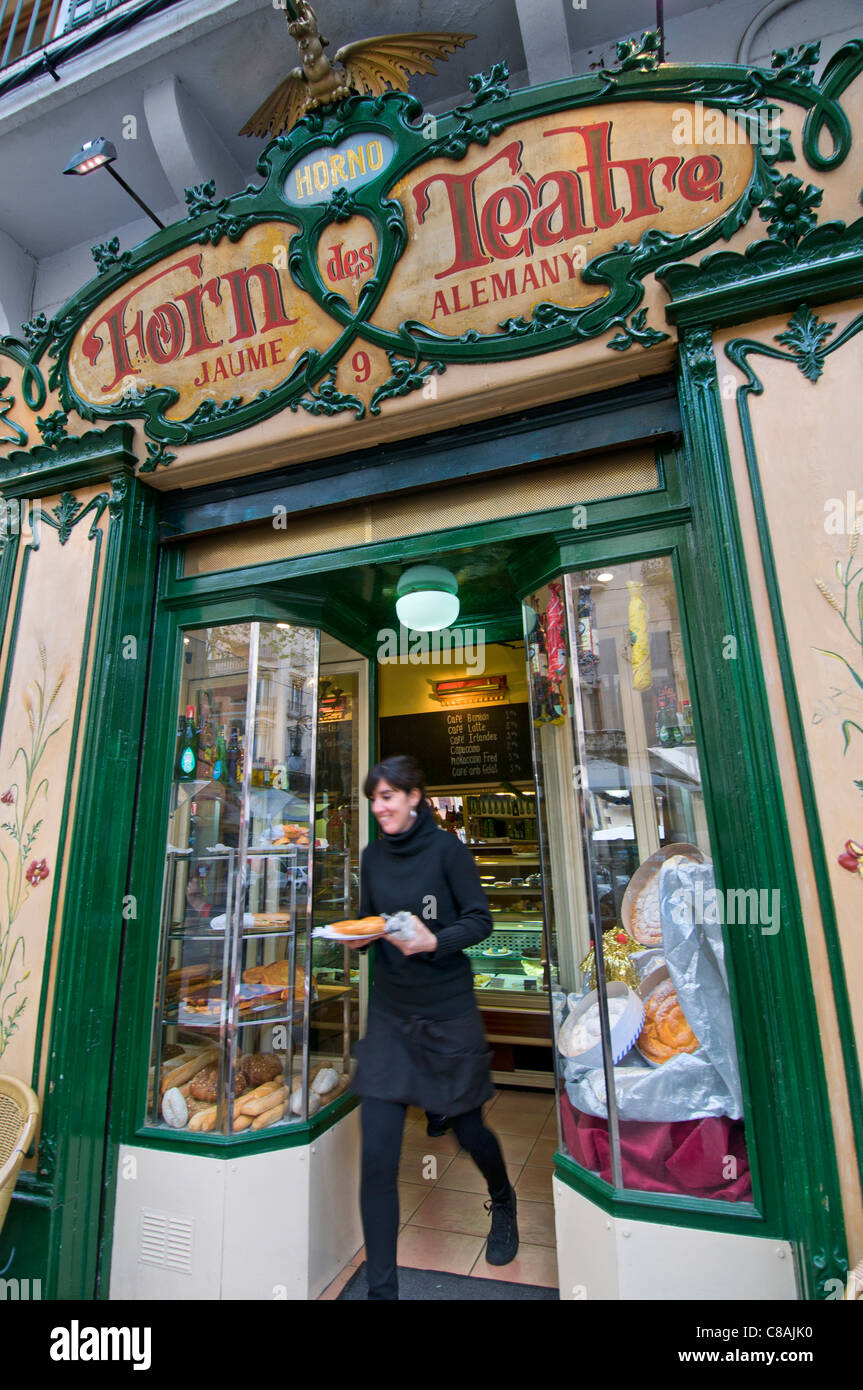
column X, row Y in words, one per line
column 487, row 591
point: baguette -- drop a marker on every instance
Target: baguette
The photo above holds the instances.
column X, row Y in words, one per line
column 269, row 1117
column 178, row 1075
column 264, row 1090
column 205, row 1119
column 265, row 1102
column 241, row 1122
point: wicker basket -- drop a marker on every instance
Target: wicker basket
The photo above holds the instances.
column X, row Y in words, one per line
column 19, row 1111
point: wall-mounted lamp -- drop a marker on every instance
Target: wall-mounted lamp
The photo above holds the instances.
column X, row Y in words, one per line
column 100, row 154
column 427, row 598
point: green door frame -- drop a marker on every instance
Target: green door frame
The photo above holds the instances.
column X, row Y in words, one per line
column 787, row 1110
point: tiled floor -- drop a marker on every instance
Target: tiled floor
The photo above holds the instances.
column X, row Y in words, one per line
column 441, row 1194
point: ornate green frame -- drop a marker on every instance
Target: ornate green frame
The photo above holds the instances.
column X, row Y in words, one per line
column 415, row 350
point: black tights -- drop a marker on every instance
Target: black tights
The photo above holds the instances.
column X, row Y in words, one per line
column 382, row 1127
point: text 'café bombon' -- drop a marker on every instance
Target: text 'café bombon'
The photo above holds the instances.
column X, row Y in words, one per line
column 555, row 365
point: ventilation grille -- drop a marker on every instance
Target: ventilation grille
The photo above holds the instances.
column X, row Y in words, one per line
column 461, row 504
column 166, row 1241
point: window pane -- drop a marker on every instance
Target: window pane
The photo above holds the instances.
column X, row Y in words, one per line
column 627, row 851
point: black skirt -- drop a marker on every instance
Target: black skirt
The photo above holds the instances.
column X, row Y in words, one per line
column 441, row 1065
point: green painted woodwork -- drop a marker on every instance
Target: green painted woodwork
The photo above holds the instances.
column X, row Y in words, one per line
column 771, row 977
column 53, row 1225
column 416, row 350
column 730, row 287
column 808, row 343
column 574, row 430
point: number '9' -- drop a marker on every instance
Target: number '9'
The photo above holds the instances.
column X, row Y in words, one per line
column 362, row 366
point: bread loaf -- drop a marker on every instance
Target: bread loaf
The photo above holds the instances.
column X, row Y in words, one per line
column 269, row 1117
column 265, row 1102
column 205, row 1119
column 177, row 1075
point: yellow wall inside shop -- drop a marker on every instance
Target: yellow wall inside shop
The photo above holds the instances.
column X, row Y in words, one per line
column 406, row 689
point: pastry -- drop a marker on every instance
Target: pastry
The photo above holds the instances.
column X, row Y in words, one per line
column 277, row 973
column 666, row 1031
column 580, row 1032
column 263, row 920
column 363, row 926
column 639, row 908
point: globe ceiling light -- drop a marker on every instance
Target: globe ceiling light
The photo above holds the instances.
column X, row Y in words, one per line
column 427, row 598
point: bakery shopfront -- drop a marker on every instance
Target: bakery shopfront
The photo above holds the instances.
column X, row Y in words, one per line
column 582, row 357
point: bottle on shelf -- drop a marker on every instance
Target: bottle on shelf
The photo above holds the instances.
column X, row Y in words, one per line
column 233, row 755
column 187, row 761
column 220, row 766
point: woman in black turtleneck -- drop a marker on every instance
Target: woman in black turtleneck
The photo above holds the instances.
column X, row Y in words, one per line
column 425, row 1043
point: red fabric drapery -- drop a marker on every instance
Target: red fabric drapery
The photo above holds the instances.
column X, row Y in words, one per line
column 692, row 1158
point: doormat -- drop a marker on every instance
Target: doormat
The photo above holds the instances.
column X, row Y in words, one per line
column 429, row 1285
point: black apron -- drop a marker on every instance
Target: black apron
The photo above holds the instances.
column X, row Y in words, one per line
column 440, row 1065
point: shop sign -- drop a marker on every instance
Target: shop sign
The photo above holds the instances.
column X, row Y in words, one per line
column 384, row 246
column 356, row 162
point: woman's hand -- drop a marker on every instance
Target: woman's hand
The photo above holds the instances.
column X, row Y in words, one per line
column 422, row 939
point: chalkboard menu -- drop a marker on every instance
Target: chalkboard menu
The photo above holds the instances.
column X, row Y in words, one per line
column 464, row 745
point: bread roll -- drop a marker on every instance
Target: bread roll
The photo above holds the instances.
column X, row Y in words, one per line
column 174, row 1109
column 326, row 1080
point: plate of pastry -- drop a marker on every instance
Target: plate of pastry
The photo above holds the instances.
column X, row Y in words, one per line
column 355, row 928
column 639, row 911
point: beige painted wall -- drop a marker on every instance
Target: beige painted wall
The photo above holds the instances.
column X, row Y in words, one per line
column 807, row 441
column 35, row 750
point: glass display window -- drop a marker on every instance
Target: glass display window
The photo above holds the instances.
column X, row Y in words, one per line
column 647, row 1072
column 254, row 1022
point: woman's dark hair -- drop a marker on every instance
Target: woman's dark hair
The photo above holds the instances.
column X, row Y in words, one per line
column 400, row 771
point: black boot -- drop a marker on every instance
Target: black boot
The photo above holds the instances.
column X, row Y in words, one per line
column 503, row 1238
column 437, row 1125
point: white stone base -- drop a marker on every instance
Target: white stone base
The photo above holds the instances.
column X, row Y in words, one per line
column 272, row 1226
column 603, row 1257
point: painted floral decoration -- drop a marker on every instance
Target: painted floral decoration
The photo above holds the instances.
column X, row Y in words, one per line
column 22, row 829
column 852, row 857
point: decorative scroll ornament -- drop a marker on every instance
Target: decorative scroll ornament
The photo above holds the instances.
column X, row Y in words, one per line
column 379, row 234
column 370, row 66
column 806, row 336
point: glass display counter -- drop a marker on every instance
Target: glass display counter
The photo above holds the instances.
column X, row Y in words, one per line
column 254, row 1019
column 649, row 1086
